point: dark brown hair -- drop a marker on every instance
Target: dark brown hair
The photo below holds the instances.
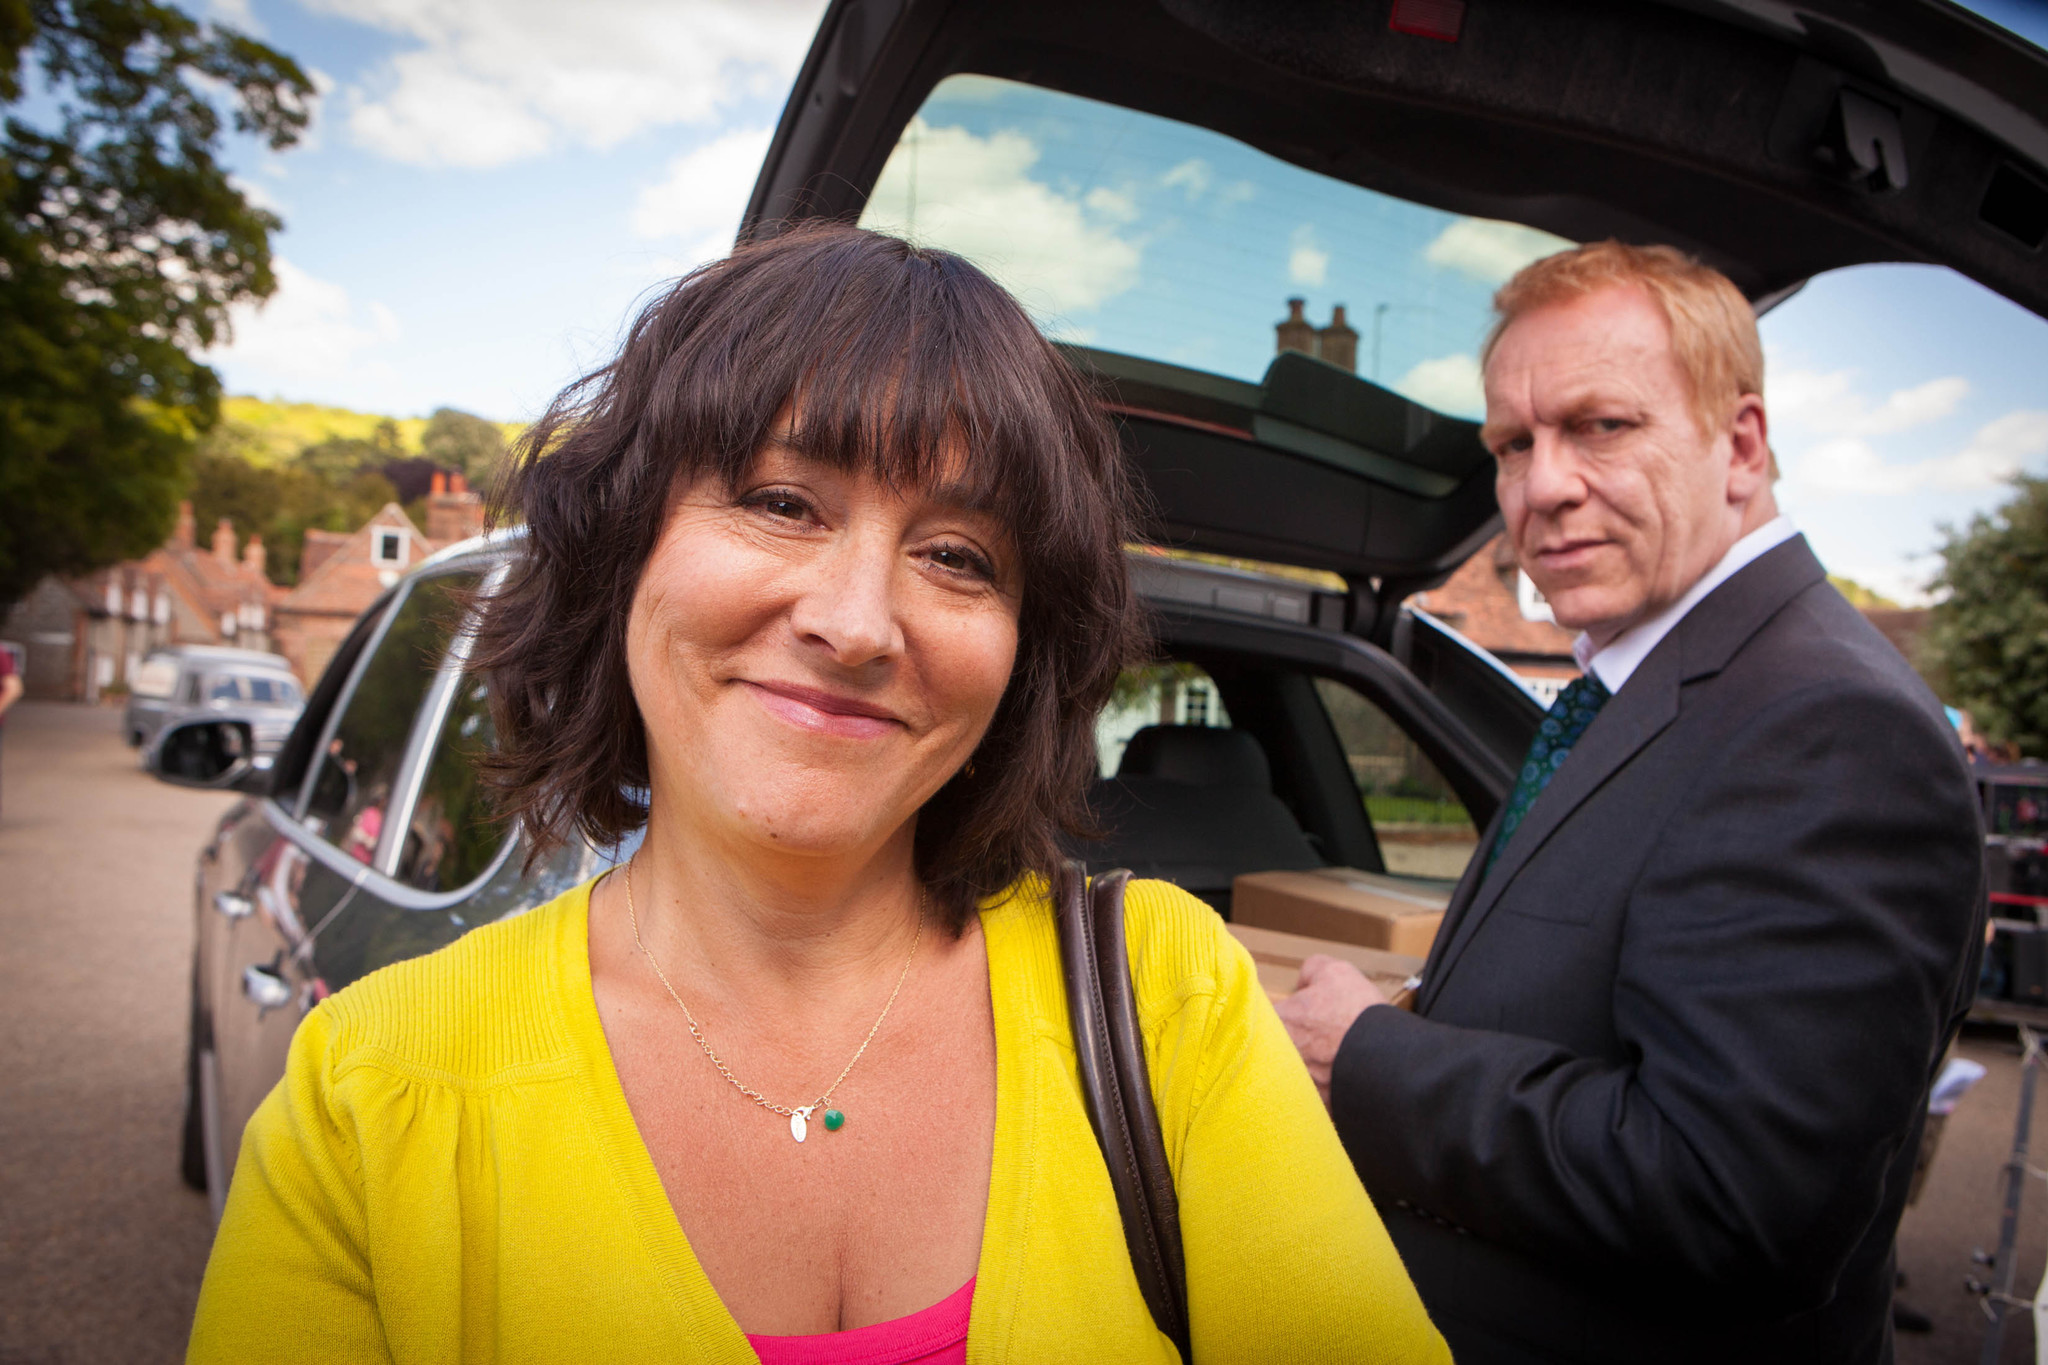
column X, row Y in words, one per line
column 883, row 352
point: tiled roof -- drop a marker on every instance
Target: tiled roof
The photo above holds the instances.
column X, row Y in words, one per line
column 1479, row 602
column 346, row 578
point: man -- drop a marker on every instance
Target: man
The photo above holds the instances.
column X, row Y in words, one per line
column 10, row 687
column 1661, row 1091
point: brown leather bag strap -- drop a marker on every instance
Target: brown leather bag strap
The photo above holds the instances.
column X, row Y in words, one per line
column 1117, row 1086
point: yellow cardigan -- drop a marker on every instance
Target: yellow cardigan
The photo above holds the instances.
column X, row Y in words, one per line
column 449, row 1172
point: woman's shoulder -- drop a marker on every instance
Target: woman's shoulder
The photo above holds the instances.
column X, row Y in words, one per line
column 1179, row 947
column 489, row 1002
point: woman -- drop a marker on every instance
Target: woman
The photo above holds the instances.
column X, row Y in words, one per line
column 824, row 586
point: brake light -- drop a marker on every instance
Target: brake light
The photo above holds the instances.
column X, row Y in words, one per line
column 1439, row 19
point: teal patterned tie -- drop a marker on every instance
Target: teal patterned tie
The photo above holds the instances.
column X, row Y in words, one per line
column 1569, row 715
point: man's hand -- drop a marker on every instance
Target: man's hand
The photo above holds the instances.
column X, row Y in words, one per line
column 1326, row 1003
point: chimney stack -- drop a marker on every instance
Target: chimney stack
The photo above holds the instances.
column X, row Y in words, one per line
column 252, row 557
column 224, row 543
column 453, row 512
column 1297, row 333
column 1338, row 343
column 187, row 534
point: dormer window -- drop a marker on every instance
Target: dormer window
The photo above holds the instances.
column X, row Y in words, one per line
column 387, row 547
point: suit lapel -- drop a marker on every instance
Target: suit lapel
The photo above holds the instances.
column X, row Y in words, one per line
column 1636, row 715
column 1700, row 644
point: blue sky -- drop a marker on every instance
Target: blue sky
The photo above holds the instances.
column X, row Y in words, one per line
column 493, row 185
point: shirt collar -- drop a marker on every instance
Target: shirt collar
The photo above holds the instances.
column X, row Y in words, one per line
column 1626, row 651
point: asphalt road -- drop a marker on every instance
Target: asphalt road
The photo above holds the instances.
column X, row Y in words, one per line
column 101, row 1247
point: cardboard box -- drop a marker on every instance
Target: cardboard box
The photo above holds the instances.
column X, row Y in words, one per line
column 1395, row 914
column 1279, row 957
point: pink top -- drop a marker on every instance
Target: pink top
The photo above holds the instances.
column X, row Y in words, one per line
column 931, row 1336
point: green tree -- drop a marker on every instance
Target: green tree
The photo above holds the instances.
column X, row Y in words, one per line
column 463, row 442
column 1990, row 636
column 338, row 459
column 122, row 244
column 282, row 502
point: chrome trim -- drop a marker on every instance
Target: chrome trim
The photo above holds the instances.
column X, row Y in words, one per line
column 426, row 730
column 366, row 878
column 233, row 905
column 498, row 541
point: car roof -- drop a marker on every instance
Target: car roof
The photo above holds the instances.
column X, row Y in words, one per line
column 1731, row 128
column 225, row 654
column 2027, row 772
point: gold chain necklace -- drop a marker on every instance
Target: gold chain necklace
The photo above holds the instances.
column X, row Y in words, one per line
column 800, row 1115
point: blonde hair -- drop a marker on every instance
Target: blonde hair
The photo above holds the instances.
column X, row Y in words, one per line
column 1713, row 329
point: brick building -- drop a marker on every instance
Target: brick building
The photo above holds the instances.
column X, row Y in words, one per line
column 84, row 635
column 341, row 573
column 1491, row 602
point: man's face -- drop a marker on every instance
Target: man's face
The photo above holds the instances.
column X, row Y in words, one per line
column 1615, row 500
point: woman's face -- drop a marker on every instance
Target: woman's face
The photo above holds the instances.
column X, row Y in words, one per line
column 815, row 654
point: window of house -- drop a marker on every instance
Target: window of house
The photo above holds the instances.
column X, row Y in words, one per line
column 352, row 785
column 388, row 547
column 1422, row 827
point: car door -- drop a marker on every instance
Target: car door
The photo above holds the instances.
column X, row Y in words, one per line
column 325, row 829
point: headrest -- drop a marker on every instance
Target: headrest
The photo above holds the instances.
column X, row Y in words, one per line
column 1200, row 754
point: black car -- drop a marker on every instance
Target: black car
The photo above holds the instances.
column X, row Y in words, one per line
column 1305, row 501
column 2015, row 803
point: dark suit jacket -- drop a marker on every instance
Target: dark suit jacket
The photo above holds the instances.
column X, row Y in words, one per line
column 1665, row 1081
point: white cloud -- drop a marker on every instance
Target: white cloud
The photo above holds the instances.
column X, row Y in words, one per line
column 1489, row 250
column 1830, row 402
column 1849, row 464
column 1307, row 263
column 1112, row 204
column 1449, row 383
column 256, row 194
column 493, row 81
column 308, row 330
column 975, row 195
column 235, row 14
column 1907, row 408
column 1190, row 176
column 703, row 196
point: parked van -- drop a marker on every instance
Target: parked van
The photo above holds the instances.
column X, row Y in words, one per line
column 196, row 681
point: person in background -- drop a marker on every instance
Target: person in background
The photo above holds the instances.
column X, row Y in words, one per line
column 1662, row 1089
column 10, row 689
column 823, row 584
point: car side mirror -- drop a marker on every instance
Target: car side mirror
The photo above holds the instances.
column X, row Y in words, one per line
column 217, row 754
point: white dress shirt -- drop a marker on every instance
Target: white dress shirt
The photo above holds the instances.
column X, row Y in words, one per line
column 1626, row 651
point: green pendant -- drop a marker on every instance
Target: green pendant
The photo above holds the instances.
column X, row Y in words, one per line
column 834, row 1120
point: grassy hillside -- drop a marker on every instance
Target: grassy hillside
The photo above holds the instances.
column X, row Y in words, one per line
column 277, row 431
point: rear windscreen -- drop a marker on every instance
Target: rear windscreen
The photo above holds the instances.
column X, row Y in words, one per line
column 1131, row 233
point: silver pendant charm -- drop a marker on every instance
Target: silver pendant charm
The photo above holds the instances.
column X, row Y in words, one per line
column 800, row 1122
